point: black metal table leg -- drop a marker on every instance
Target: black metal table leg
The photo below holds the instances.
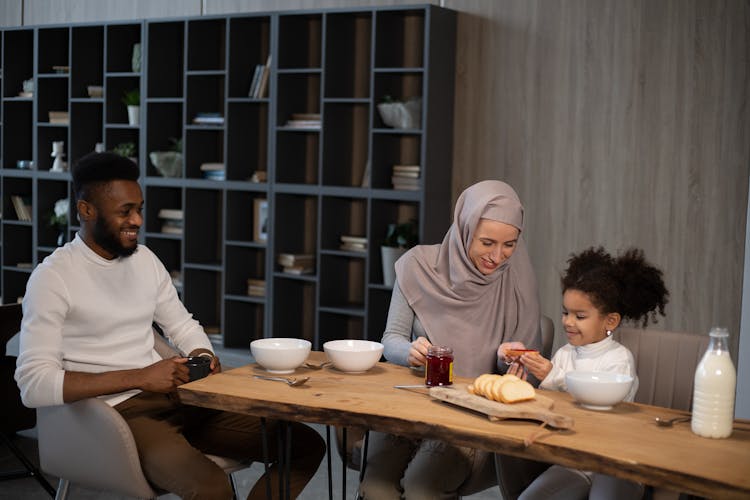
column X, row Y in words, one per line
column 264, row 435
column 343, row 464
column 328, row 459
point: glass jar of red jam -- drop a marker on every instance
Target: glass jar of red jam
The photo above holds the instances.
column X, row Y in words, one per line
column 439, row 370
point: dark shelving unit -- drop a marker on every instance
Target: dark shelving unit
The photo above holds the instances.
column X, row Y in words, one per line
column 321, row 181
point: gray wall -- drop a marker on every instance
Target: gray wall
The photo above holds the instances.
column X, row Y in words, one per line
column 619, row 123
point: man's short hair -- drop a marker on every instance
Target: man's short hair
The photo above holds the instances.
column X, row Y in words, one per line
column 96, row 169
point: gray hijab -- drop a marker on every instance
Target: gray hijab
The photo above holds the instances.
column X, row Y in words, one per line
column 460, row 307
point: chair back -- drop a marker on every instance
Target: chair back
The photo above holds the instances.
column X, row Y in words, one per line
column 547, row 327
column 665, row 362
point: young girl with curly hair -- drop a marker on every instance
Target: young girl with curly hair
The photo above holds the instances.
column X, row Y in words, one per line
column 599, row 291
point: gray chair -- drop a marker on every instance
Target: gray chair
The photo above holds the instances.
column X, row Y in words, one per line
column 89, row 443
column 665, row 362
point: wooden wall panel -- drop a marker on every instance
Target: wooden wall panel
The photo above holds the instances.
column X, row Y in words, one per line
column 619, row 123
column 11, row 13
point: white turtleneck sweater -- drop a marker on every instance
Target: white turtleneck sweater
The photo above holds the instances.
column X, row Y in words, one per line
column 606, row 355
column 84, row 313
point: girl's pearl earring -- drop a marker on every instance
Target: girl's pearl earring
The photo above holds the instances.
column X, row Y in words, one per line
column 609, row 333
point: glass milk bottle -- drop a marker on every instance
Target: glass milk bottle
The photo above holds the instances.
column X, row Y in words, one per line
column 713, row 393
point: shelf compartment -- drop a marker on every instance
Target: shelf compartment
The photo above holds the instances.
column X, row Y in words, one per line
column 169, row 252
column 86, row 120
column 244, row 322
column 120, row 42
column 53, row 96
column 20, row 253
column 203, row 222
column 345, row 144
column 342, row 217
column 48, row 192
column 297, row 157
column 348, row 54
column 53, row 49
column 298, row 93
column 166, row 59
column 393, row 149
column 205, row 94
column 342, row 282
column 45, row 137
column 17, row 139
column 158, row 198
column 18, row 61
column 247, row 140
column 87, row 66
column 399, row 87
column 163, row 128
column 249, row 45
column 206, row 44
column 114, row 136
column 378, row 303
column 296, row 224
column 385, row 212
column 399, row 39
column 14, row 284
column 300, row 39
column 243, row 263
column 334, row 326
column 294, row 309
column 202, row 145
column 116, row 86
column 15, row 187
column 241, row 218
column 202, row 297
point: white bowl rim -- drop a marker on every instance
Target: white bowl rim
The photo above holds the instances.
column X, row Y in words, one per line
column 603, row 377
column 281, row 343
column 353, row 344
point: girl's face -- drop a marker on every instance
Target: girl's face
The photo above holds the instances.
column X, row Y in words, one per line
column 583, row 322
column 493, row 243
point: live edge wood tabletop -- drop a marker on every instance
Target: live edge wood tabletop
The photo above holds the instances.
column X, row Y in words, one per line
column 624, row 441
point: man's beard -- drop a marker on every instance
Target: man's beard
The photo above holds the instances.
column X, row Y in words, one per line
column 109, row 240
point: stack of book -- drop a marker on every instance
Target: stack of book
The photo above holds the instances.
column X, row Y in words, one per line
column 405, row 177
column 259, row 83
column 171, row 220
column 353, row 243
column 304, row 120
column 23, row 208
column 213, row 171
column 59, row 117
column 206, row 118
column 297, row 263
column 256, row 288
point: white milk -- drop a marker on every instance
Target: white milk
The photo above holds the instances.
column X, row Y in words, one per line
column 713, row 396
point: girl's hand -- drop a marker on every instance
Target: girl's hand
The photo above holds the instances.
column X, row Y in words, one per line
column 536, row 364
column 418, row 352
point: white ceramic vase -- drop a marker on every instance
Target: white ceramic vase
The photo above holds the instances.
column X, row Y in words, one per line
column 133, row 112
column 389, row 256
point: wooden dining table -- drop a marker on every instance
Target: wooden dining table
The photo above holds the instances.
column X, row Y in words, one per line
column 624, row 441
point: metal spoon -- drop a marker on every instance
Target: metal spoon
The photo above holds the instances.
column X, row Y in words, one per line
column 292, row 381
column 669, row 422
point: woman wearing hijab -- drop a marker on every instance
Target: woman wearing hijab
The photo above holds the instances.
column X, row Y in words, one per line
column 475, row 293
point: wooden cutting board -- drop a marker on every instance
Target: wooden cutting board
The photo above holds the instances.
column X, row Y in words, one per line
column 538, row 409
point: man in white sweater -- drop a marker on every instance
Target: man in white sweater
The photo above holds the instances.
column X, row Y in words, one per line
column 87, row 332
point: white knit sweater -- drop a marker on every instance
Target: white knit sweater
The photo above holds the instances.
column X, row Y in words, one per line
column 84, row 313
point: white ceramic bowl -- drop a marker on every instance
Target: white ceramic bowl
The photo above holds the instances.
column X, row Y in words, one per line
column 354, row 356
column 598, row 390
column 281, row 355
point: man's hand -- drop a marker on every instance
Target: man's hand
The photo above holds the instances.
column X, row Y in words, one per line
column 215, row 363
column 165, row 375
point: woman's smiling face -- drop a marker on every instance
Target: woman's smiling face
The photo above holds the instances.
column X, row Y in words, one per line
column 492, row 244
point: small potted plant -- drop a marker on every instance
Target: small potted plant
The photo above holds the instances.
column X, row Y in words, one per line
column 401, row 114
column 398, row 239
column 132, row 99
column 59, row 219
column 126, row 149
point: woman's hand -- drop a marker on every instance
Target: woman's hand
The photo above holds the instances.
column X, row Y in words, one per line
column 536, row 364
column 418, row 352
column 507, row 346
